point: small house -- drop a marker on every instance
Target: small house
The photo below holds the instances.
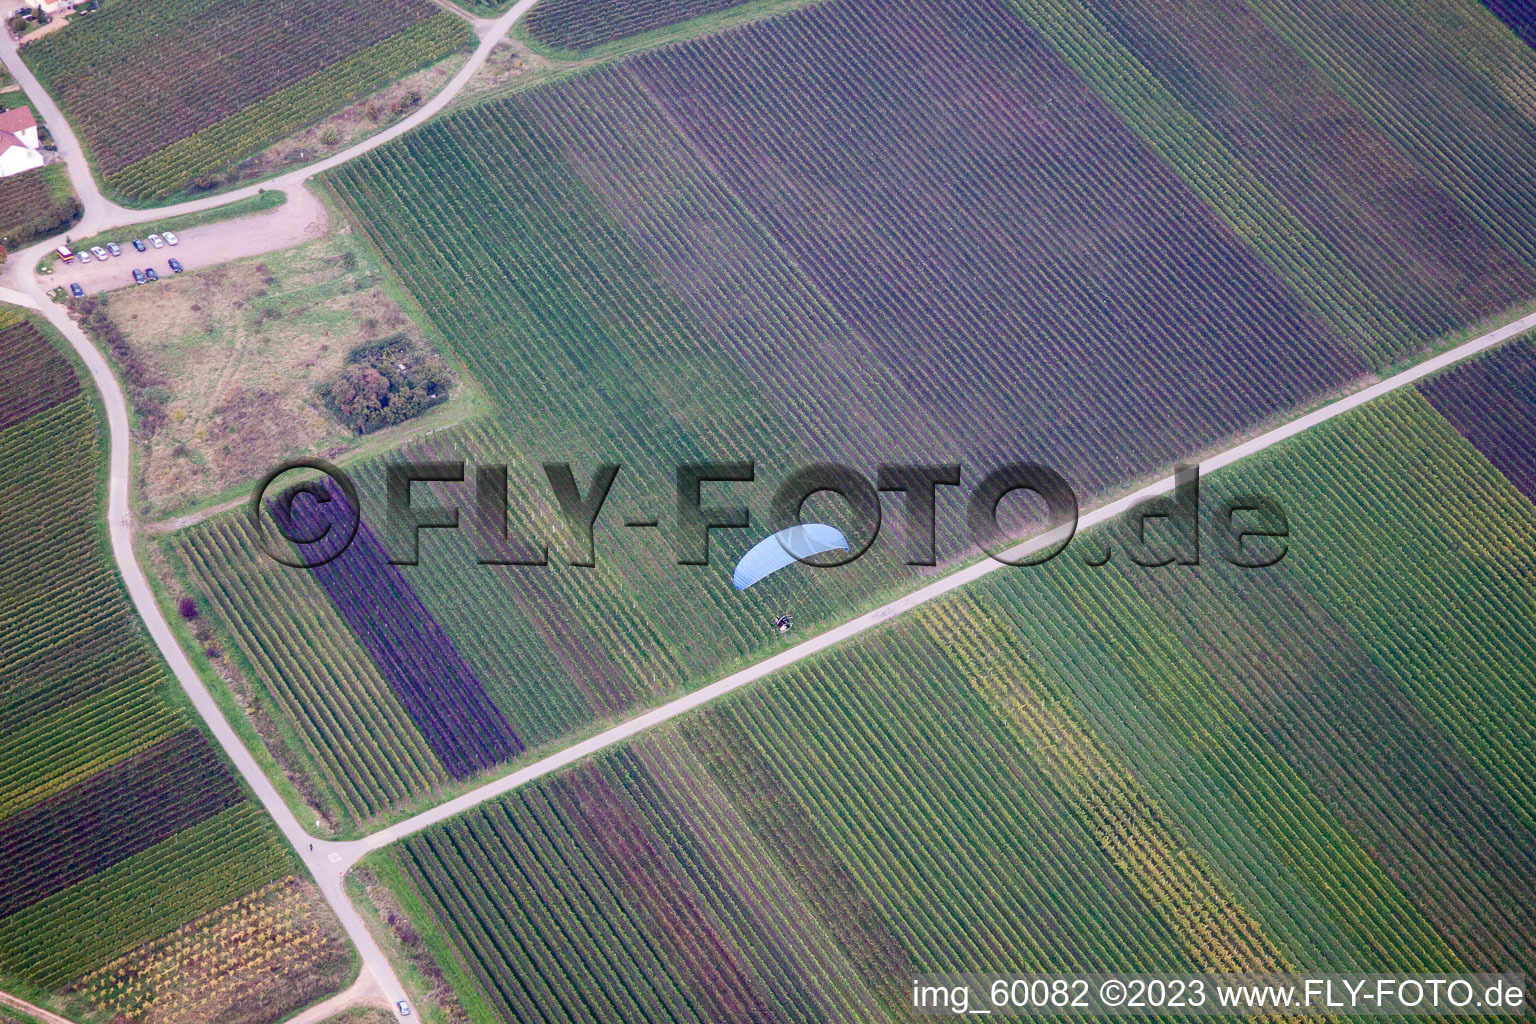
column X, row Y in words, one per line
column 19, row 146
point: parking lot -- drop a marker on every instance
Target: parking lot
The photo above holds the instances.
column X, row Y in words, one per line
column 301, row 219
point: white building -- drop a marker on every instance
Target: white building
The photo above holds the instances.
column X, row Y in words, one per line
column 19, row 148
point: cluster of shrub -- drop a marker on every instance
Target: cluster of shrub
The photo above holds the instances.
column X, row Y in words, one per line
column 147, row 389
column 385, row 382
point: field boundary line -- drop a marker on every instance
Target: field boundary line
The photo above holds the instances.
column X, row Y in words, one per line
column 354, row 850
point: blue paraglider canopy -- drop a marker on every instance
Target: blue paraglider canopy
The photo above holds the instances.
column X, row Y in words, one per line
column 784, row 548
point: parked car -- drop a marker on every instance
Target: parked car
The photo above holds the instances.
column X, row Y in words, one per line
column 171, row 239
column 138, row 276
column 156, row 241
column 77, row 291
column 404, row 1007
column 114, row 249
column 149, row 272
column 99, row 253
column 176, row 266
column 85, row 257
column 138, row 243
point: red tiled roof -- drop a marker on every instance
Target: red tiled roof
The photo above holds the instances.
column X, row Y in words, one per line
column 17, row 121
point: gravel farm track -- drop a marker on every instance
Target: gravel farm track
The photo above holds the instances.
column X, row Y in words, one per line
column 329, row 861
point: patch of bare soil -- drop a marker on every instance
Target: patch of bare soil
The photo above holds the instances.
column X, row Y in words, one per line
column 238, row 350
column 510, row 67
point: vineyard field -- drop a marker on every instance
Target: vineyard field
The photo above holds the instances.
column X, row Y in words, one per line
column 583, row 24
column 34, row 204
column 33, row 377
column 118, row 820
column 1172, row 259
column 231, row 77
column 358, row 741
column 438, row 690
column 1189, row 767
column 1520, row 17
column 1403, row 260
column 1492, row 402
column 259, row 957
column 109, row 817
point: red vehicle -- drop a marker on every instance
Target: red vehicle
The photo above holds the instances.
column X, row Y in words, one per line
column 65, row 254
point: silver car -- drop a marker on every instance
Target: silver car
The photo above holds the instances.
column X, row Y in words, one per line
column 171, row 239
column 157, row 241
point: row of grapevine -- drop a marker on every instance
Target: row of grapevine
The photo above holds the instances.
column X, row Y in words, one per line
column 365, row 748
column 144, row 897
column 1491, row 401
column 1424, row 265
column 583, row 24
column 213, row 59
column 110, row 816
column 118, row 822
column 250, row 128
column 465, row 729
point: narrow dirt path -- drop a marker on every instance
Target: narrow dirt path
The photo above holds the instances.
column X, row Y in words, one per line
column 364, row 991
column 22, row 1006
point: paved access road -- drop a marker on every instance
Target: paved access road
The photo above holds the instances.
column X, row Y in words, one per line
column 351, row 852
column 102, row 214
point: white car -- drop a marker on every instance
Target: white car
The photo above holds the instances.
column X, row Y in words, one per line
column 404, row 1007
column 99, row 253
column 156, row 241
column 171, row 239
column 85, row 257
